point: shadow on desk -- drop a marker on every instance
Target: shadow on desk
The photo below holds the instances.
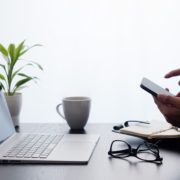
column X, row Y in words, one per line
column 170, row 144
column 166, row 144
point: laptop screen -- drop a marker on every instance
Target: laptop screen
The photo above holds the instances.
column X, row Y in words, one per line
column 6, row 124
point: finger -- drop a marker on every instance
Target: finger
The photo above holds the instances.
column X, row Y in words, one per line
column 173, row 73
column 171, row 100
column 178, row 94
column 166, row 110
column 159, row 104
column 156, row 100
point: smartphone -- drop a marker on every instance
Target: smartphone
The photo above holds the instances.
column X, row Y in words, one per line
column 153, row 88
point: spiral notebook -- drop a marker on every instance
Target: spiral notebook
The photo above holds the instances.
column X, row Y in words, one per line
column 154, row 130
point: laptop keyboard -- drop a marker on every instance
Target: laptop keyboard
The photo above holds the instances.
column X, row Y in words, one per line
column 34, row 146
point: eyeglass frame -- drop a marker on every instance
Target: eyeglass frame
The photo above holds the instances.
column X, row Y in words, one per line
column 126, row 124
column 134, row 151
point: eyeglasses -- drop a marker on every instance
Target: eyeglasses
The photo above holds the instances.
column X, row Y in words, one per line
column 146, row 151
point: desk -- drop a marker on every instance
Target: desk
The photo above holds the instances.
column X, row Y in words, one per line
column 100, row 166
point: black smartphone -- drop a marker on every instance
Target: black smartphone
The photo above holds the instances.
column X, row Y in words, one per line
column 153, row 88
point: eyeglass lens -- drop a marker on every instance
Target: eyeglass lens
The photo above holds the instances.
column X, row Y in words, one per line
column 147, row 152
column 120, row 149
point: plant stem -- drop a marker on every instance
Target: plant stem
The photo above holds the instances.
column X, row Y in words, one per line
column 10, row 79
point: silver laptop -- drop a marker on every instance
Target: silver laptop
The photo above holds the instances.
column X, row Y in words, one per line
column 41, row 148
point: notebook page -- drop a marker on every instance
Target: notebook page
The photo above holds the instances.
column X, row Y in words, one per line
column 152, row 130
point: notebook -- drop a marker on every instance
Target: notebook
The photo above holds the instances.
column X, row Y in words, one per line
column 154, row 130
column 42, row 148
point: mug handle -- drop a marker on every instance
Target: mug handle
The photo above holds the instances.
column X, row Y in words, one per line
column 58, row 111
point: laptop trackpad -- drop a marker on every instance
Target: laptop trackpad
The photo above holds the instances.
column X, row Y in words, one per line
column 76, row 148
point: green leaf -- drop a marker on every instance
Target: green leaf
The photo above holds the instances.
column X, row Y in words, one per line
column 6, row 58
column 25, row 75
column 19, row 49
column 18, row 70
column 2, row 77
column 3, row 50
column 3, row 66
column 38, row 65
column 20, row 83
column 20, row 88
column 2, row 86
column 23, row 81
column 23, row 52
column 11, row 50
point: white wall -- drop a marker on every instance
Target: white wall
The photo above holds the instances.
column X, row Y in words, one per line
column 96, row 48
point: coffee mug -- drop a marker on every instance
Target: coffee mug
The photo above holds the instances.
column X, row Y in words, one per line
column 76, row 111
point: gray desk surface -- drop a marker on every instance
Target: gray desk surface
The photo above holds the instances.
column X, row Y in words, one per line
column 100, row 165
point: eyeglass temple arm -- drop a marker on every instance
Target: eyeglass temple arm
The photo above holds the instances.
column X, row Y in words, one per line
column 126, row 123
column 120, row 151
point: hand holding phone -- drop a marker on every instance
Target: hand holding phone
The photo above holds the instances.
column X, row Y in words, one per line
column 153, row 88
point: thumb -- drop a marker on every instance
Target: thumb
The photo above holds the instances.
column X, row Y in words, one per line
column 172, row 100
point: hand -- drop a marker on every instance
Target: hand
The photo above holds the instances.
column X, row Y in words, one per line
column 173, row 73
column 169, row 106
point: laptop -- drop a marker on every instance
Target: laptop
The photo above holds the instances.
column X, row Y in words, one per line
column 17, row 147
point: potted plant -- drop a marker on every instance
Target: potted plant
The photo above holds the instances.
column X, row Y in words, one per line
column 12, row 76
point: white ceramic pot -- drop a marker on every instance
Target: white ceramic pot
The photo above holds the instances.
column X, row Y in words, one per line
column 14, row 104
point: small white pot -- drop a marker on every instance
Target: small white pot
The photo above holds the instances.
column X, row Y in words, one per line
column 14, row 104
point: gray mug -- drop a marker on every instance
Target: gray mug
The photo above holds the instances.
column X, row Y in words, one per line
column 76, row 111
